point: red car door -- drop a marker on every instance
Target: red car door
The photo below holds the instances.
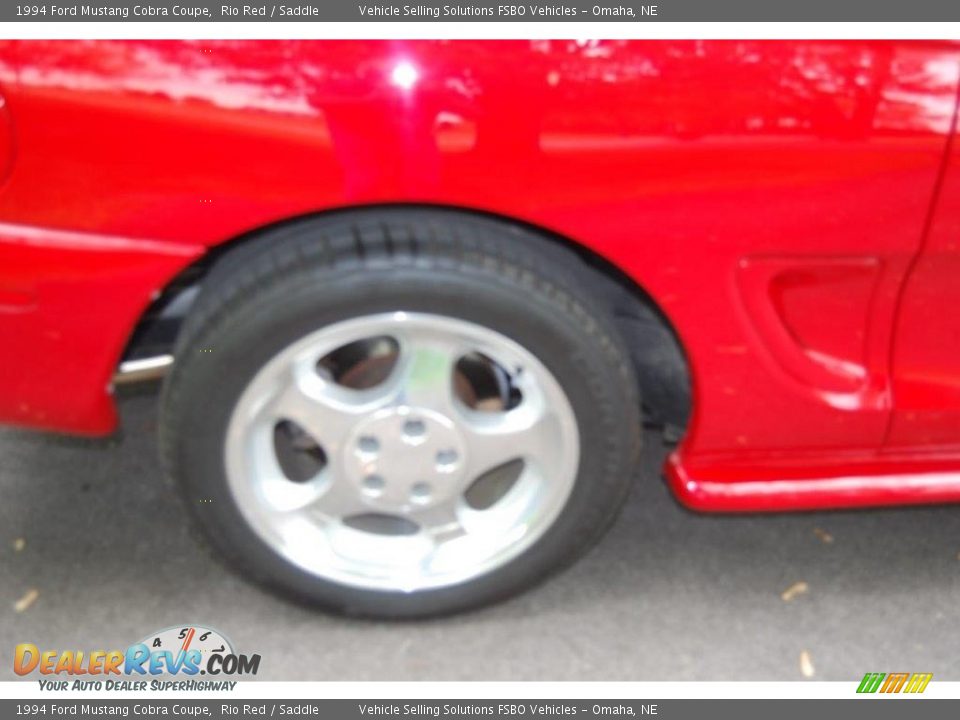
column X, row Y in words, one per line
column 926, row 357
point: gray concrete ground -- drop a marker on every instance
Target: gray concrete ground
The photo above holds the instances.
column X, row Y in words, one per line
column 668, row 595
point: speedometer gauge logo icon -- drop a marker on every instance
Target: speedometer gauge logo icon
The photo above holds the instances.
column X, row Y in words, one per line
column 179, row 639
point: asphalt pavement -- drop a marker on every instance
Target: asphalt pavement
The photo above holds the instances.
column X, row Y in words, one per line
column 96, row 552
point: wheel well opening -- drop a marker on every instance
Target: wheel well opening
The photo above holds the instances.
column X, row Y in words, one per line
column 658, row 355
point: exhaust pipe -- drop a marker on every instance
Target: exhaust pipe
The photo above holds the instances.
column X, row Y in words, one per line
column 135, row 371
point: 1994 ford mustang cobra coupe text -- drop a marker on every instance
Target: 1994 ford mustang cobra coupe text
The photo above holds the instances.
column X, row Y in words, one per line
column 413, row 300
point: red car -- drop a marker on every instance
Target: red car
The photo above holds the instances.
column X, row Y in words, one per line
column 416, row 300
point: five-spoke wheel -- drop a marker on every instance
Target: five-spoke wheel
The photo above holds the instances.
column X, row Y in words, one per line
column 437, row 450
column 400, row 412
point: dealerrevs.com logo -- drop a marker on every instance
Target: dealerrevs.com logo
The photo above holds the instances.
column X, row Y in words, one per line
column 185, row 651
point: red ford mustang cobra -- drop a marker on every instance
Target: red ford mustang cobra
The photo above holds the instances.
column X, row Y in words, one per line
column 414, row 301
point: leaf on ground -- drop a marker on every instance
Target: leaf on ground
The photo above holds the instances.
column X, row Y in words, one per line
column 806, row 665
column 825, row 537
column 798, row 588
column 19, row 544
column 24, row 603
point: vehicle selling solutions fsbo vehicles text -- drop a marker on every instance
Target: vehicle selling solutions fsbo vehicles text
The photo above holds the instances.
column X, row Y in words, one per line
column 532, row 11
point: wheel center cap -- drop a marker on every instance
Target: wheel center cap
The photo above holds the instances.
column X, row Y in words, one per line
column 404, row 458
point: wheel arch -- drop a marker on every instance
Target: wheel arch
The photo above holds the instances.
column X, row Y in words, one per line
column 660, row 359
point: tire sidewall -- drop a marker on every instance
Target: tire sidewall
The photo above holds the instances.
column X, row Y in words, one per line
column 213, row 373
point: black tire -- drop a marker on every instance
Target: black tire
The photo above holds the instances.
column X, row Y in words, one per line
column 291, row 280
